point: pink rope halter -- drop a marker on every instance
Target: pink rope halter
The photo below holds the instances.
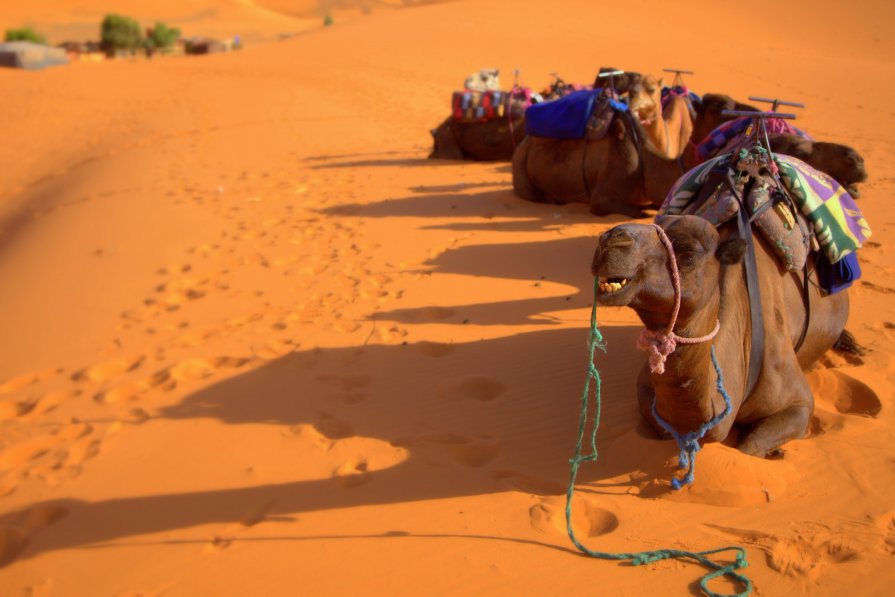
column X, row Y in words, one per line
column 661, row 344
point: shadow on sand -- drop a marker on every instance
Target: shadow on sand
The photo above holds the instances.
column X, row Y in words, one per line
column 478, row 411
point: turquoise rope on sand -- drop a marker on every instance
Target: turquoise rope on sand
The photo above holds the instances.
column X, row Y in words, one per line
column 643, row 557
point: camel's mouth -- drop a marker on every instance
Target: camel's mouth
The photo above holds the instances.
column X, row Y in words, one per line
column 852, row 189
column 615, row 291
column 611, row 285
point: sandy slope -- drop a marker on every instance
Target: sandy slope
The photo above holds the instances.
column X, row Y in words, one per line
column 255, row 342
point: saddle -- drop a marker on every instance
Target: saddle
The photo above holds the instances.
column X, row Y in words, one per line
column 797, row 209
column 481, row 106
column 693, row 100
column 728, row 135
column 588, row 112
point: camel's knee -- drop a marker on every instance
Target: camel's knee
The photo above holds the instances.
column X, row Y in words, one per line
column 766, row 435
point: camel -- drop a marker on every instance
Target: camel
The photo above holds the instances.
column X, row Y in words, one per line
column 481, row 141
column 615, row 174
column 667, row 130
column 486, row 79
column 839, row 161
column 633, row 268
column 491, row 140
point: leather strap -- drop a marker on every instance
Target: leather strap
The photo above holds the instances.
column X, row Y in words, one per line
column 756, row 350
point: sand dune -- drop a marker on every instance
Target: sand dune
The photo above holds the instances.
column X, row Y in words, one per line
column 255, row 342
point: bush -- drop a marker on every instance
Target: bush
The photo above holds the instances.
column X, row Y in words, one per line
column 25, row 34
column 161, row 37
column 120, row 33
column 328, row 20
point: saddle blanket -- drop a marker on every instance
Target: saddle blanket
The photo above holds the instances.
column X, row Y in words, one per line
column 480, row 106
column 678, row 91
column 838, row 224
column 725, row 134
column 568, row 117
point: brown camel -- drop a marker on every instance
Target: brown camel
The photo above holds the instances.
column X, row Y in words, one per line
column 618, row 173
column 667, row 129
column 633, row 268
column 839, row 161
column 491, row 140
column 481, row 141
column 709, row 113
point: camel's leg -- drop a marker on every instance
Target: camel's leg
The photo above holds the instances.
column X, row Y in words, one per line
column 645, row 397
column 603, row 206
column 522, row 184
column 764, row 436
column 445, row 144
column 603, row 200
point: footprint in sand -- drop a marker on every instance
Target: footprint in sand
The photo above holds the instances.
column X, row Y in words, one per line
column 192, row 369
column 108, row 370
column 352, row 473
column 21, row 381
column 350, row 388
column 174, row 269
column 847, row 394
column 474, row 451
column 483, row 389
column 529, row 484
column 129, row 390
column 877, row 287
column 332, row 428
column 588, row 519
column 252, row 517
column 391, row 334
column 275, row 349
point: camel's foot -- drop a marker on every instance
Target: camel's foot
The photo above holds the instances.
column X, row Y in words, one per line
column 606, row 208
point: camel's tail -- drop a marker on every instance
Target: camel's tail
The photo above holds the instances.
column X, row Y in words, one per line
column 847, row 344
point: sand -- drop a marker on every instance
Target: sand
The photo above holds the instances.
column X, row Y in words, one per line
column 255, row 343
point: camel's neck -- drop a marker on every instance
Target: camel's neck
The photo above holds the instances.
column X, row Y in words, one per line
column 669, row 132
column 656, row 132
column 686, row 393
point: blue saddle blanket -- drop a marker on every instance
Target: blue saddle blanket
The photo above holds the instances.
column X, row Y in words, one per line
column 566, row 117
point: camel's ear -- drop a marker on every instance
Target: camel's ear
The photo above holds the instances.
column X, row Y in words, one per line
column 731, row 251
column 661, row 83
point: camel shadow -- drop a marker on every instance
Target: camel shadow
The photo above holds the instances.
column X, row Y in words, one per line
column 494, row 210
column 474, row 418
column 534, row 262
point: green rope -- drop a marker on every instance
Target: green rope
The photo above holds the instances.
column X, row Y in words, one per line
column 644, row 557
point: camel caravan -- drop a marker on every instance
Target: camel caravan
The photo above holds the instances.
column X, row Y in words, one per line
column 741, row 280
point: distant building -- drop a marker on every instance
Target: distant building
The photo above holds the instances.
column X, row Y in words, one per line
column 31, row 56
column 205, row 45
column 83, row 51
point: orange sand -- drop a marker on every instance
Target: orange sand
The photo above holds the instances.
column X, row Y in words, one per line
column 255, row 343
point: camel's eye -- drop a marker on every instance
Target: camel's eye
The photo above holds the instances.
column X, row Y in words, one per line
column 687, row 250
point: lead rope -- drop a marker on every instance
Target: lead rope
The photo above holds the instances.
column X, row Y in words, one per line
column 643, row 557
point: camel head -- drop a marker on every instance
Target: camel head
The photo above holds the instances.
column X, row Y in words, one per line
column 709, row 113
column 632, row 266
column 842, row 163
column 645, row 99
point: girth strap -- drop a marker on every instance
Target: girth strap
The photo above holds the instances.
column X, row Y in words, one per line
column 756, row 348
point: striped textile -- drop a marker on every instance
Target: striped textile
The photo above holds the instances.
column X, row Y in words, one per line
column 838, row 223
column 725, row 135
column 480, row 106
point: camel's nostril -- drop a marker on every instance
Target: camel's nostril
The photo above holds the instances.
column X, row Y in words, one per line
column 616, row 238
column 618, row 243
